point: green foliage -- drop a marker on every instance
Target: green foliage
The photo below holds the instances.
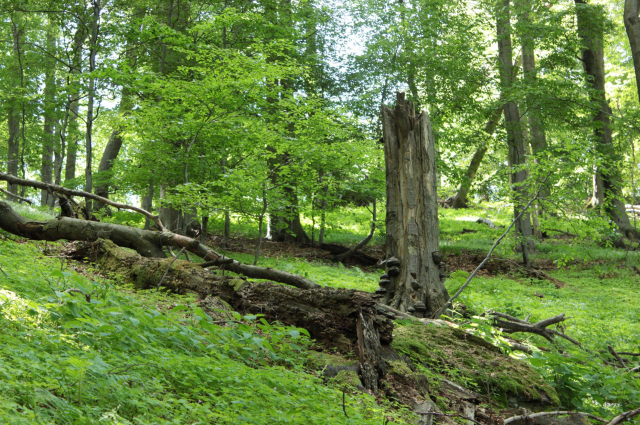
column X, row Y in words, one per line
column 148, row 358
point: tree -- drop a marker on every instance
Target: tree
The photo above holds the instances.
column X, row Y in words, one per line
column 607, row 178
column 515, row 130
column 412, row 281
column 632, row 25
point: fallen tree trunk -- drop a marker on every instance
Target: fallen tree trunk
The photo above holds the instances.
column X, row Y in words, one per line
column 361, row 257
column 347, row 319
column 146, row 242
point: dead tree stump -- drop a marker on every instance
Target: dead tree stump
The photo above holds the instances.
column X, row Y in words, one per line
column 413, row 281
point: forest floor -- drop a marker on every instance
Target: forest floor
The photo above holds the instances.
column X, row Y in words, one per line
column 147, row 357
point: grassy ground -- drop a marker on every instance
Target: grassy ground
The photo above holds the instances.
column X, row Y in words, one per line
column 74, row 366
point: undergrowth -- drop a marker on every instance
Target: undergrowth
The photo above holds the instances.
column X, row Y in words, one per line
column 148, row 358
column 601, row 300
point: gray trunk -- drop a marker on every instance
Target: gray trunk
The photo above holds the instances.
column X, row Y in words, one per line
column 88, row 174
column 538, row 137
column 111, row 151
column 48, row 142
column 412, row 212
column 632, row 24
column 515, row 129
column 607, row 181
column 13, row 114
column 73, row 133
column 461, row 198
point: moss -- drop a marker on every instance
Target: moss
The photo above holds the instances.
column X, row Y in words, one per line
column 319, row 360
column 347, row 380
column 471, row 362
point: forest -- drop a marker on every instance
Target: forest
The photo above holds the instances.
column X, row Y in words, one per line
column 319, row 212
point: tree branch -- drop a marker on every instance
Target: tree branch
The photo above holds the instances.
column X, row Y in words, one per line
column 71, row 192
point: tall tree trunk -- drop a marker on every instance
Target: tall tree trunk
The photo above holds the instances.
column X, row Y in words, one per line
column 73, row 133
column 49, row 108
column 632, row 25
column 515, row 129
column 607, row 179
column 323, row 214
column 14, row 109
column 538, row 137
column 461, row 197
column 90, row 101
column 147, row 204
column 412, row 281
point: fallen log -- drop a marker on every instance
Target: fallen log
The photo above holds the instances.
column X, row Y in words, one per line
column 338, row 318
column 146, row 242
column 359, row 256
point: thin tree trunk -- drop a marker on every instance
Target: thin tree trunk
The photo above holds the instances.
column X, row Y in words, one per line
column 607, row 179
column 342, row 257
column 73, row 134
column 538, row 137
column 632, row 25
column 461, row 197
column 515, row 130
column 204, row 233
column 147, row 204
column 323, row 209
column 412, row 279
column 260, row 222
column 48, row 143
column 13, row 111
column 90, row 101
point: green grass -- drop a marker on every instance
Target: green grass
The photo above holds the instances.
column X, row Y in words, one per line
column 146, row 358
column 601, row 299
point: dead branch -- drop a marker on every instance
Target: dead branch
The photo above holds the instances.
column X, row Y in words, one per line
column 537, row 415
column 560, row 231
column 486, row 221
column 341, row 257
column 617, row 356
column 175, row 257
column 495, row 245
column 624, row 416
column 71, row 192
column 16, row 196
column 513, row 324
column 147, row 243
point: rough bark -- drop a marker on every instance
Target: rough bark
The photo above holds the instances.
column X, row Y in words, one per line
column 412, row 212
column 515, row 131
column 607, row 179
column 461, row 197
column 147, row 243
